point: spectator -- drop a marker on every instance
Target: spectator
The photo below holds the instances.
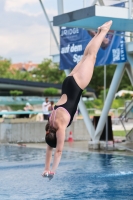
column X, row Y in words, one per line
column 45, row 110
column 39, row 117
column 51, row 107
column 28, row 107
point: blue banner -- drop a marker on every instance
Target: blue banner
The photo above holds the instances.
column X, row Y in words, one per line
column 73, row 42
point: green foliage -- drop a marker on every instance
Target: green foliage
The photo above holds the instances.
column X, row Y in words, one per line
column 21, row 75
column 16, row 92
column 125, row 83
column 84, row 92
column 98, row 103
column 89, row 104
column 51, row 91
column 119, row 133
column 97, row 81
column 118, row 103
column 45, row 72
column 4, row 68
column 119, row 97
column 6, row 72
column 17, row 107
column 48, row 72
column 128, row 87
column 101, row 95
column 127, row 96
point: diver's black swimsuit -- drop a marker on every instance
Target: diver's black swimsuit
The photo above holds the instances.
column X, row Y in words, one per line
column 73, row 92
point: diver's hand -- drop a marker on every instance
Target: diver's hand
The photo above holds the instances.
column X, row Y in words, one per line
column 45, row 173
column 51, row 175
column 48, row 174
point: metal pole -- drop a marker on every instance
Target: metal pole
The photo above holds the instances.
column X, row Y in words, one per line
column 130, row 9
column 51, row 27
column 101, row 2
column 130, row 74
column 130, row 14
column 87, row 120
column 60, row 6
column 83, row 3
column 104, row 83
column 129, row 69
column 113, row 88
column 93, row 2
column 106, row 124
column 60, row 11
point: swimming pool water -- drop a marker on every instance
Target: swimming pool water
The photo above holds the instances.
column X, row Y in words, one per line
column 80, row 176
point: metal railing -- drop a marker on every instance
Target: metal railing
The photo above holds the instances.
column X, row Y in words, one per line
column 19, row 112
column 126, row 110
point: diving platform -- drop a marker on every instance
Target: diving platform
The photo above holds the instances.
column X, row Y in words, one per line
column 94, row 16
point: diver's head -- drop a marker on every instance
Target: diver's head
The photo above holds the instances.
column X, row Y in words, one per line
column 50, row 136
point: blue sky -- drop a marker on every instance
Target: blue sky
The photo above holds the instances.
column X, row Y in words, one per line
column 24, row 31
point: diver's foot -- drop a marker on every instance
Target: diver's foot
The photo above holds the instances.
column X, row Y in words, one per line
column 106, row 26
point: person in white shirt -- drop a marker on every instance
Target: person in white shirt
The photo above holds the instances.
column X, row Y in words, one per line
column 45, row 109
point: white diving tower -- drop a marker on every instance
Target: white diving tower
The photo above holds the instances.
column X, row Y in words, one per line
column 91, row 17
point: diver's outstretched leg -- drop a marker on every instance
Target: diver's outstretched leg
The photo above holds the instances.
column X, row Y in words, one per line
column 83, row 71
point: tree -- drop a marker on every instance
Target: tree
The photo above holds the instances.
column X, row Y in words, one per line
column 51, row 91
column 4, row 68
column 21, row 75
column 97, row 81
column 16, row 92
column 7, row 72
column 84, row 92
column 101, row 95
column 48, row 72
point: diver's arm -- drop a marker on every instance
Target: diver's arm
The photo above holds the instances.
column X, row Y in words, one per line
column 47, row 159
column 60, row 134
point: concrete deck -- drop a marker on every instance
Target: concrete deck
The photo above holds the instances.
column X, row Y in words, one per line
column 122, row 148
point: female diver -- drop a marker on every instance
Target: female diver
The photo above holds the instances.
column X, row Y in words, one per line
column 64, row 110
